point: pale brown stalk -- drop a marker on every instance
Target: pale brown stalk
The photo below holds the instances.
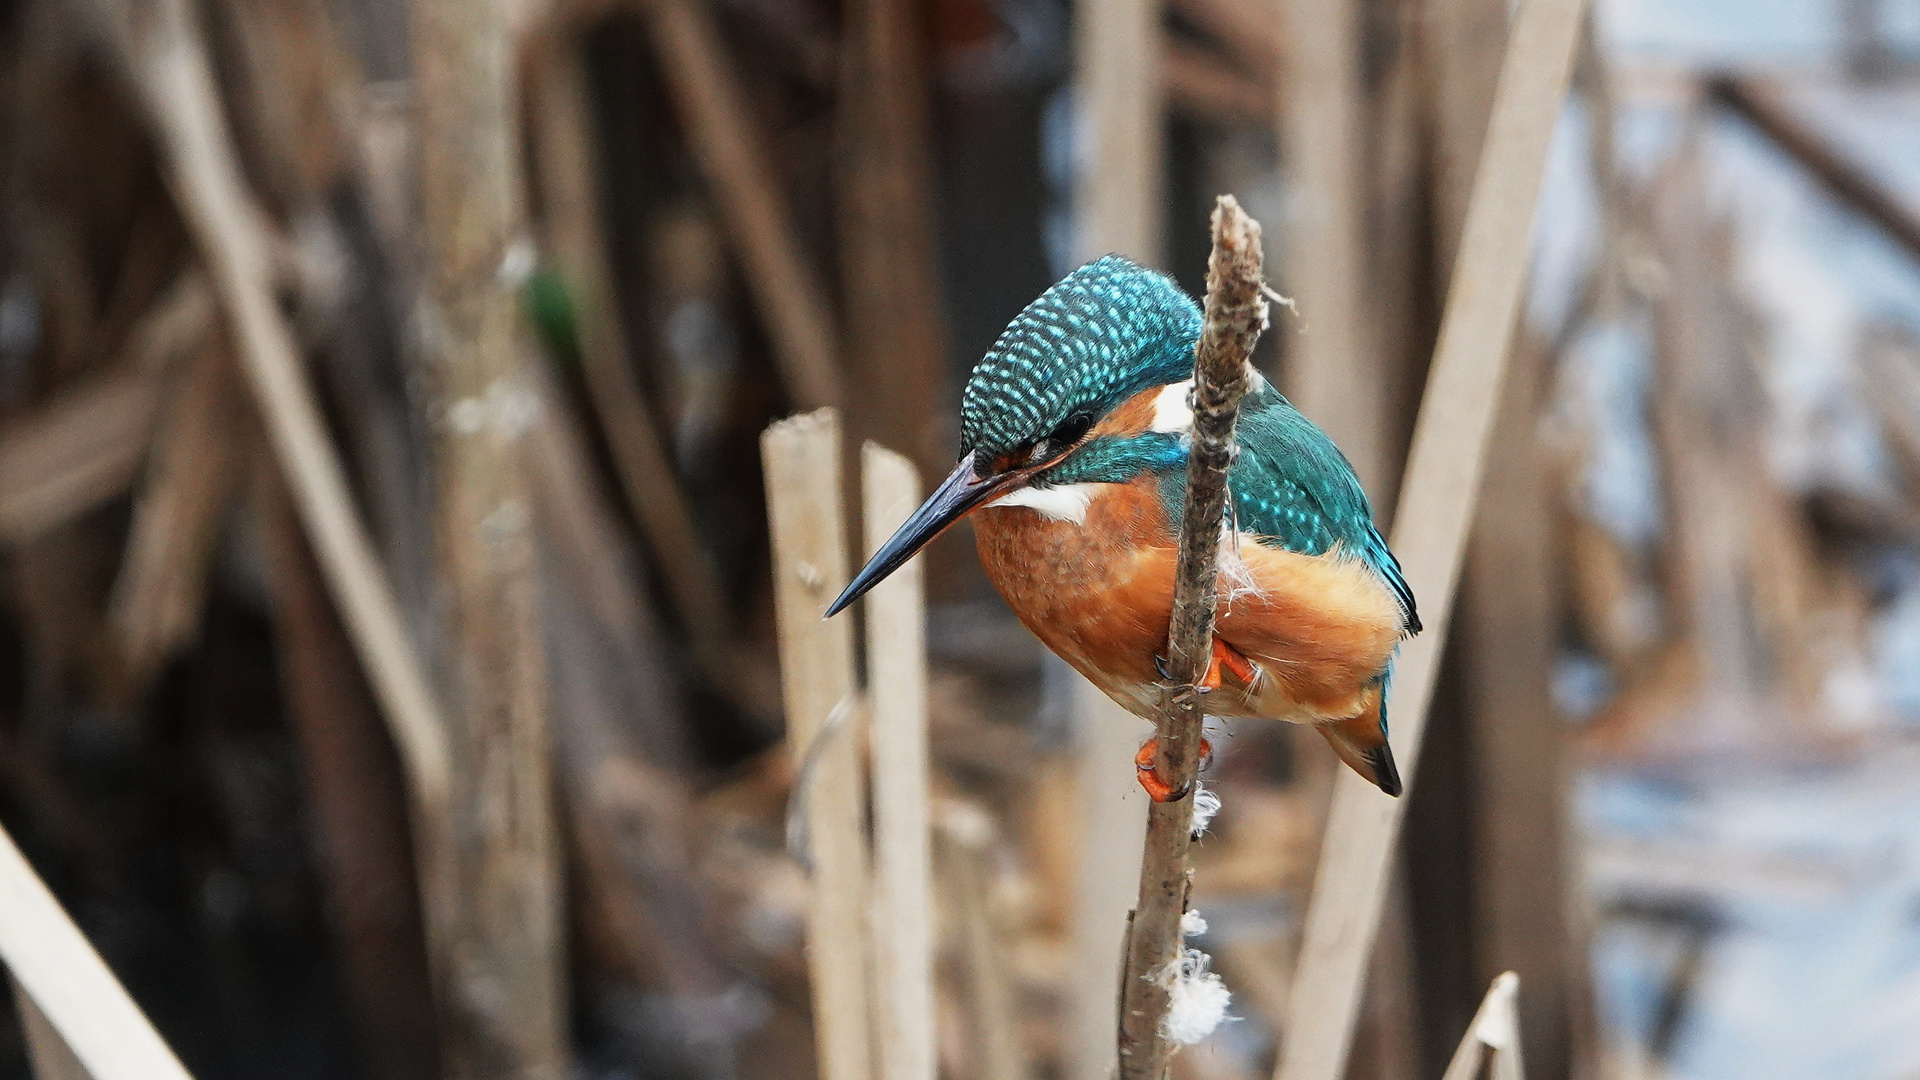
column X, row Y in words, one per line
column 1236, row 314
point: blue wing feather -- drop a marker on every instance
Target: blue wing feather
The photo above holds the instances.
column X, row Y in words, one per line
column 1291, row 487
column 1294, row 489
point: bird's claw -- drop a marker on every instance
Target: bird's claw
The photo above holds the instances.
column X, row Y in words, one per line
column 1157, row 789
column 1167, row 679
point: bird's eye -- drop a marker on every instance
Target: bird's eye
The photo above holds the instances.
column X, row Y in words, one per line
column 1061, row 438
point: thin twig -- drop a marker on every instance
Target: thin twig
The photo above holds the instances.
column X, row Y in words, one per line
column 191, row 472
column 1236, row 313
column 1766, row 107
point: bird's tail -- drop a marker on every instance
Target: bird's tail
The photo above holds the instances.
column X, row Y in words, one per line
column 1361, row 742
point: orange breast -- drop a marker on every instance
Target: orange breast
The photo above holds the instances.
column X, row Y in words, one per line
column 1085, row 589
column 1319, row 630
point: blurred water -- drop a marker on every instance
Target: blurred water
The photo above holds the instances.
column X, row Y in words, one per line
column 1711, row 33
column 1801, row 891
column 1755, row 920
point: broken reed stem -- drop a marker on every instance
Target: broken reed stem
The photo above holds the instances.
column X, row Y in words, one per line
column 1496, row 1027
column 52, row 963
column 1236, row 313
column 896, row 615
column 801, row 458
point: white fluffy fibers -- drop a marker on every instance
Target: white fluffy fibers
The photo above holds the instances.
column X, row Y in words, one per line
column 1205, row 805
column 1197, row 999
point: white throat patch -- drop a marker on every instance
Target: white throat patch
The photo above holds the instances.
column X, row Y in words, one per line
column 1061, row 502
column 1171, row 412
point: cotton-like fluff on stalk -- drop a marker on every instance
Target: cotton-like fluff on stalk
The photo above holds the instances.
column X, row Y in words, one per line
column 1205, row 805
column 1237, row 580
column 1196, row 998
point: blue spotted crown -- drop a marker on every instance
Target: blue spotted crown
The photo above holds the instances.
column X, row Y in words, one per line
column 1101, row 334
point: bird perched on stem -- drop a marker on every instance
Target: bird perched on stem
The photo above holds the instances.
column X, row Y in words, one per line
column 1075, row 431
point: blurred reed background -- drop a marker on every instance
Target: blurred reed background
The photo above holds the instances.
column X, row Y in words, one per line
column 1670, row 777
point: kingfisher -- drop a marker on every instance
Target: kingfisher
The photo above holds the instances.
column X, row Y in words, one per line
column 1075, row 433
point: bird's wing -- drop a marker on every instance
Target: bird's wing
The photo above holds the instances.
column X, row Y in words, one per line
column 1294, row 490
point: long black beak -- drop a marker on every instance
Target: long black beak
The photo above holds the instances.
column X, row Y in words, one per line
column 959, row 493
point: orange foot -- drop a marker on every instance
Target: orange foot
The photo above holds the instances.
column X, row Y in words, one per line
column 1226, row 660
column 1157, row 789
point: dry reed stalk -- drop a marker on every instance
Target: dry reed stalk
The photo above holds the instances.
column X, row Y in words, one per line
column 896, row 620
column 74, row 453
column 569, row 174
column 713, row 110
column 1236, row 313
column 47, row 1053
column 1495, row 1027
column 1766, row 107
column 802, row 461
column 507, row 987
column 162, row 48
column 1507, row 626
column 85, row 446
column 192, row 471
column 1117, row 46
column 1432, row 521
column 1460, row 43
column 80, row 999
column 1333, row 376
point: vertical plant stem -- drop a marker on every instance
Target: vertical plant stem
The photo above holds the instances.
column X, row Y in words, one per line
column 505, row 1015
column 1332, row 375
column 802, row 461
column 902, row 863
column 1430, row 527
column 895, row 345
column 714, row 112
column 1236, row 313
